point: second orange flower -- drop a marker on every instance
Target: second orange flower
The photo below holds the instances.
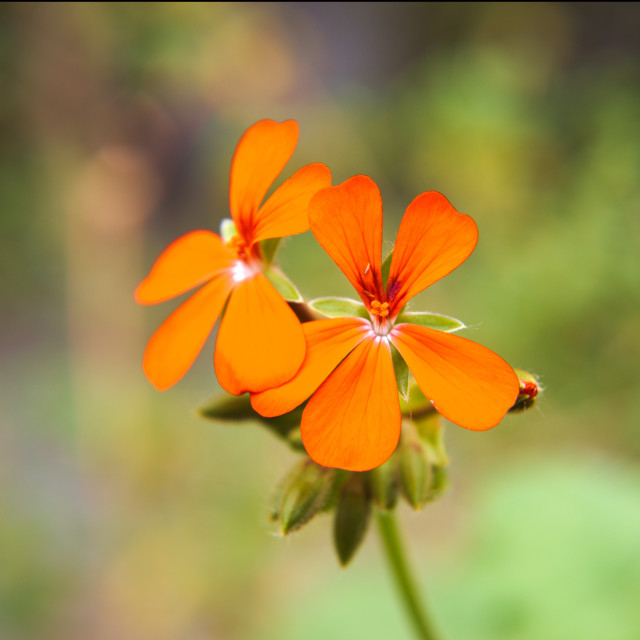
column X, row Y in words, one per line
column 260, row 342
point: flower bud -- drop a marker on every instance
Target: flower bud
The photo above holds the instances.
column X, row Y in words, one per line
column 302, row 494
column 352, row 517
column 383, row 484
column 529, row 390
column 415, row 467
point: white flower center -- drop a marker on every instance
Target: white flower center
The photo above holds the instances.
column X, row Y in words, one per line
column 240, row 271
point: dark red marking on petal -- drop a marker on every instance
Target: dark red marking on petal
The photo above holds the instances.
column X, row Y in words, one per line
column 393, row 290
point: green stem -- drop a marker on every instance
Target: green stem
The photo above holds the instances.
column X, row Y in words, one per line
column 404, row 581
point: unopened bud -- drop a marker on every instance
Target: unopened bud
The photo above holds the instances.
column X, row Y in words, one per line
column 430, row 429
column 303, row 494
column 352, row 517
column 529, row 390
column 415, row 467
column 383, row 484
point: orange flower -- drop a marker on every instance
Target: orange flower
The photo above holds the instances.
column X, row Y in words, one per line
column 260, row 343
column 352, row 421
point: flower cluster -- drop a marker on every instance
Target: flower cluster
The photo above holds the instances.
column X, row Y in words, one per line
column 351, row 365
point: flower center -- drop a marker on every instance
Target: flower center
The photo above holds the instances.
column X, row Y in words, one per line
column 237, row 245
column 379, row 312
column 380, row 309
column 240, row 271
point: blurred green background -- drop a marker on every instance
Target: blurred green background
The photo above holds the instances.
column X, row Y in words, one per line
column 125, row 516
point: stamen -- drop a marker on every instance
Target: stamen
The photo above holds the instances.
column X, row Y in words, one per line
column 379, row 309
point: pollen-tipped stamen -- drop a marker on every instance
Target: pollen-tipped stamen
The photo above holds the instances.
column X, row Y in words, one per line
column 379, row 309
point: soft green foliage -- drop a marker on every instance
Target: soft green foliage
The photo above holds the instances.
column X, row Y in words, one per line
column 431, row 320
column 401, row 370
column 339, row 307
column 268, row 248
column 283, row 285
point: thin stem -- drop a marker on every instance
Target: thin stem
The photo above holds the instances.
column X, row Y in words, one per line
column 404, row 580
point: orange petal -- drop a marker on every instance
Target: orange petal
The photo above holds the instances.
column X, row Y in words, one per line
column 187, row 262
column 260, row 156
column 328, row 342
column 347, row 221
column 285, row 213
column 466, row 382
column 180, row 338
column 432, row 241
column 260, row 342
column 353, row 420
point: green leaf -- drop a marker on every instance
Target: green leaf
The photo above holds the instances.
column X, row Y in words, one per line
column 228, row 229
column 268, row 248
column 283, row 285
column 401, row 370
column 416, row 402
column 431, row 320
column 339, row 307
column 351, row 518
column 386, row 266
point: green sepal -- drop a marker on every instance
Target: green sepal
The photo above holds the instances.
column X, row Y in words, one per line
column 339, row 307
column 383, row 484
column 340, row 476
column 283, row 285
column 268, row 249
column 415, row 467
column 228, row 229
column 439, row 482
column 430, row 430
column 239, row 409
column 352, row 516
column 416, row 402
column 432, row 320
column 302, row 494
column 401, row 370
column 384, row 270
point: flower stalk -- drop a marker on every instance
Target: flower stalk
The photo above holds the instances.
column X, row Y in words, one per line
column 405, row 583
